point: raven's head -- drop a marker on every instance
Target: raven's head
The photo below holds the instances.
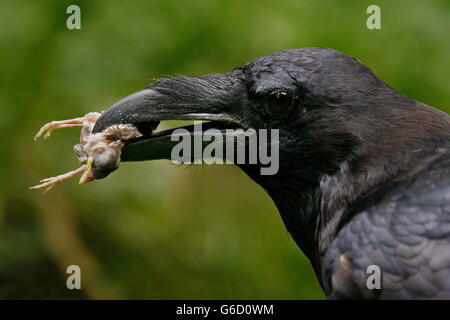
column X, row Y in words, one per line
column 339, row 126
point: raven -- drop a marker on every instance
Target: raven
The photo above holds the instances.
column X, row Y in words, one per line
column 364, row 171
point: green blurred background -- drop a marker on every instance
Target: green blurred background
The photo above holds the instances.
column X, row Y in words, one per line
column 154, row 230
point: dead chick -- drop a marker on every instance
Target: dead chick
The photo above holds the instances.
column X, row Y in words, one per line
column 100, row 152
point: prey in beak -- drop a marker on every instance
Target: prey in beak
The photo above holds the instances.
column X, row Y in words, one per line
column 126, row 130
column 100, row 153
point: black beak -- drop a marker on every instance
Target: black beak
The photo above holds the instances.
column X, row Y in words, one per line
column 213, row 97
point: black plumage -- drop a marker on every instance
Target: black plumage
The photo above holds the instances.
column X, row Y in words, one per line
column 364, row 175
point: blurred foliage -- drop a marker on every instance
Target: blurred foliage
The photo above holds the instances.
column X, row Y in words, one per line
column 153, row 230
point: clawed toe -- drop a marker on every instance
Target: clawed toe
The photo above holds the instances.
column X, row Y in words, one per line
column 49, row 127
column 51, row 182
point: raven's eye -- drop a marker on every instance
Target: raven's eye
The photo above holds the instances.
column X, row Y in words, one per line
column 279, row 101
